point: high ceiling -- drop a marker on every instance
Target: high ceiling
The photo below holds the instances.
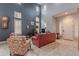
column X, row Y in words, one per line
column 53, row 9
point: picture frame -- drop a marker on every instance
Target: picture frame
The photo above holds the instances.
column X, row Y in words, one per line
column 4, row 22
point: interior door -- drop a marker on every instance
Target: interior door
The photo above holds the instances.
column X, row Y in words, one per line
column 17, row 23
column 37, row 24
column 67, row 28
column 18, row 26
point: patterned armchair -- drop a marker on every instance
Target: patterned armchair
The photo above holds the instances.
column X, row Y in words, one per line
column 18, row 45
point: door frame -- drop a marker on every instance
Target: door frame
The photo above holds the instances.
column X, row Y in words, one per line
column 62, row 30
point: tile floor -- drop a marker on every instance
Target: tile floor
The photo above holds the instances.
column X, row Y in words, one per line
column 59, row 48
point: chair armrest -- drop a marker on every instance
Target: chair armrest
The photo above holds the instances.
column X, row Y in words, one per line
column 34, row 37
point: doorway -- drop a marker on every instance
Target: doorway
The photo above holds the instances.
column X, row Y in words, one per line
column 17, row 23
column 66, row 28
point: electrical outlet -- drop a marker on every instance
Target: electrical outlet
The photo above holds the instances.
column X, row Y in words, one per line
column 28, row 26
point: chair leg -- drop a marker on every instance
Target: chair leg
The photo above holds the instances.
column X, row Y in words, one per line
column 10, row 54
column 30, row 46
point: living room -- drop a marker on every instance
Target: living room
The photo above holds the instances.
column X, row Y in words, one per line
column 35, row 29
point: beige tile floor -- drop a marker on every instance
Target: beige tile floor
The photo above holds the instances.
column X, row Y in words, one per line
column 59, row 48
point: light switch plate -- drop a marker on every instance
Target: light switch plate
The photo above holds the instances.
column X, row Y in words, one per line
column 28, row 26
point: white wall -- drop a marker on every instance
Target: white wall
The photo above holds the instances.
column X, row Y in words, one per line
column 52, row 9
column 75, row 18
column 50, row 22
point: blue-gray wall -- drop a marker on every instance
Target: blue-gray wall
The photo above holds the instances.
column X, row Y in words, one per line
column 28, row 14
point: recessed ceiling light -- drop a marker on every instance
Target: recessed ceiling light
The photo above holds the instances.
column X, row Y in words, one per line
column 65, row 13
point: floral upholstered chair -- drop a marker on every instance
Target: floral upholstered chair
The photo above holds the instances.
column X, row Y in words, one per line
column 18, row 45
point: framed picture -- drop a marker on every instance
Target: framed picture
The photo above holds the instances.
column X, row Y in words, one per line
column 32, row 22
column 4, row 22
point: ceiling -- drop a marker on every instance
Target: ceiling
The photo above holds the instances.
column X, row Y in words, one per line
column 54, row 9
column 67, row 12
